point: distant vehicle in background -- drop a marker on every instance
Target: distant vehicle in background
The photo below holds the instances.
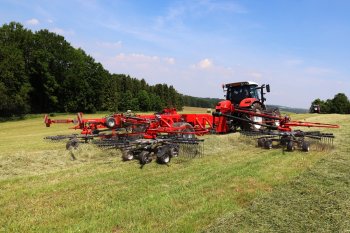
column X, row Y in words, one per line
column 315, row 109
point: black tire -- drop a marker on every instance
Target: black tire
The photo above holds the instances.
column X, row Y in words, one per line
column 187, row 131
column 174, row 151
column 261, row 142
column 110, row 122
column 284, row 140
column 305, row 146
column 72, row 144
column 127, row 155
column 290, row 146
column 268, row 144
column 165, row 158
column 144, row 157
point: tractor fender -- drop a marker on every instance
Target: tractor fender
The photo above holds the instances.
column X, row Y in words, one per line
column 247, row 102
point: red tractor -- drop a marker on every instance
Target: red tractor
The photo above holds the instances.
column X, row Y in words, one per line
column 243, row 98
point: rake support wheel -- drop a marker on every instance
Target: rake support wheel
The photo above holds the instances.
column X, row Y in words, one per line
column 127, row 155
column 305, row 146
column 72, row 144
column 261, row 142
column 268, row 144
column 290, row 146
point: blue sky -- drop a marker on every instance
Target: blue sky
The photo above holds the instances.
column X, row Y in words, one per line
column 299, row 47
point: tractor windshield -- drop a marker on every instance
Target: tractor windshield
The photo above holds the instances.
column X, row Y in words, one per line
column 238, row 93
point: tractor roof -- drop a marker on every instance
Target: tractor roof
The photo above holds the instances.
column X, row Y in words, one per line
column 245, row 83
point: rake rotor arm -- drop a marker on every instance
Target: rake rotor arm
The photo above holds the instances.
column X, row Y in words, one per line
column 218, row 114
column 309, row 124
column 49, row 121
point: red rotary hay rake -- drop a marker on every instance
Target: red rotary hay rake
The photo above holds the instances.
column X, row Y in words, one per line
column 162, row 134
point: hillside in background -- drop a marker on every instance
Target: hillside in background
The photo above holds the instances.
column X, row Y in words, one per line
column 288, row 109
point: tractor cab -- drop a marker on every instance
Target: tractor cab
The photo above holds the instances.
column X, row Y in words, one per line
column 243, row 94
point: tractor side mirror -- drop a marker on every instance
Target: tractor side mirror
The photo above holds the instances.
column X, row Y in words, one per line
column 268, row 88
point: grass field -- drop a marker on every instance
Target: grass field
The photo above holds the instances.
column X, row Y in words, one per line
column 235, row 187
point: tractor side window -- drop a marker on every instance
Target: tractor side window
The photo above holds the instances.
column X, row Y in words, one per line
column 236, row 95
column 254, row 93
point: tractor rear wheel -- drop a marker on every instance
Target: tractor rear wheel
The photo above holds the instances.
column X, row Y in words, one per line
column 187, row 132
column 255, row 108
column 275, row 112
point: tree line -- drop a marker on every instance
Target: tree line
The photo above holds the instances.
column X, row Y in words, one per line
column 41, row 72
column 200, row 102
column 339, row 104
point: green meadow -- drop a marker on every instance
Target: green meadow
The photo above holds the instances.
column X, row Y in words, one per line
column 234, row 187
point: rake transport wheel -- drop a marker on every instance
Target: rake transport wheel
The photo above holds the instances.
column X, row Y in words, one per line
column 144, row 157
column 187, row 132
column 163, row 154
column 305, row 146
column 174, row 151
column 290, row 146
column 261, row 142
column 72, row 144
column 268, row 144
column 127, row 155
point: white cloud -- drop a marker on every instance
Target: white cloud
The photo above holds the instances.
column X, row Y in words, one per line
column 204, row 64
column 62, row 32
column 169, row 60
column 32, row 21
